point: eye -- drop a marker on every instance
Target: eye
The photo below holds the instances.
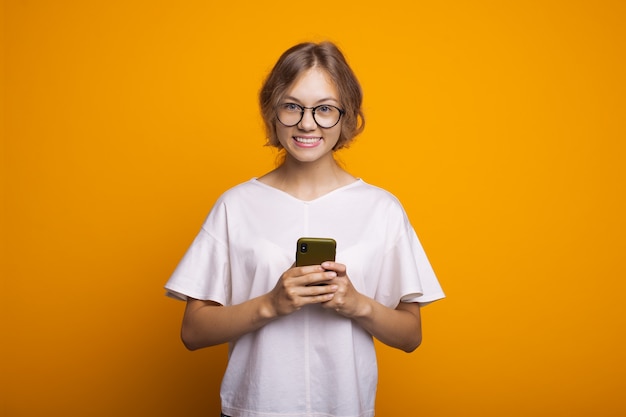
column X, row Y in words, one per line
column 325, row 109
column 291, row 107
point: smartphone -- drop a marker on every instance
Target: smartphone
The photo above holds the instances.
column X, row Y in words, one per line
column 315, row 250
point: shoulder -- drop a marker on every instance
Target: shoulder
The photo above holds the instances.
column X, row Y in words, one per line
column 376, row 194
column 241, row 191
column 371, row 203
column 234, row 197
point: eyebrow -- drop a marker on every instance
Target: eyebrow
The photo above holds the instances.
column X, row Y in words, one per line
column 317, row 102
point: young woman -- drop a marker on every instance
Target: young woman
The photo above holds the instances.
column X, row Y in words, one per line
column 297, row 348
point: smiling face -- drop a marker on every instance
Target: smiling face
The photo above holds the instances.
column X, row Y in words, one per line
column 306, row 141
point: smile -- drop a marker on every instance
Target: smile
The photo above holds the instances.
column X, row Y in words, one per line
column 308, row 140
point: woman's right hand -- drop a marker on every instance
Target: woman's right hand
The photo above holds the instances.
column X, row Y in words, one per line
column 300, row 286
column 207, row 323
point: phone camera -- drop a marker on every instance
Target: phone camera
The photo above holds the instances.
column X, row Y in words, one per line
column 304, row 247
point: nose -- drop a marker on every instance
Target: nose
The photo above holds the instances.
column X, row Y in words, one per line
column 308, row 121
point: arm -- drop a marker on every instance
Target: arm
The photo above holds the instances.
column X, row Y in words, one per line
column 207, row 323
column 400, row 328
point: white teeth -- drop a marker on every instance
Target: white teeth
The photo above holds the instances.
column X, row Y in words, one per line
column 306, row 140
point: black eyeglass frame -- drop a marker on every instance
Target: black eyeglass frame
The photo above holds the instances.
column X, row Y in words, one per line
column 313, row 109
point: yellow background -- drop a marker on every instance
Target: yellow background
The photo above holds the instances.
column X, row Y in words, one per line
column 499, row 125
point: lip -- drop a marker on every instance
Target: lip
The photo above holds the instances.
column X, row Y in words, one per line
column 309, row 141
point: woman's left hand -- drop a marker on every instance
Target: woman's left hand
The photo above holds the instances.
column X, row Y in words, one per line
column 346, row 301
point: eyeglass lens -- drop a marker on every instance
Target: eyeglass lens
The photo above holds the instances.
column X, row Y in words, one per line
column 326, row 116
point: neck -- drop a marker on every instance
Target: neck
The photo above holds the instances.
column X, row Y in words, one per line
column 308, row 180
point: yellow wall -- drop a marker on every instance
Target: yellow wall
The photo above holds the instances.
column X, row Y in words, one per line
column 500, row 125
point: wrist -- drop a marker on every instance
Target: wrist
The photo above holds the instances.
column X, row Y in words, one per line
column 266, row 310
column 364, row 308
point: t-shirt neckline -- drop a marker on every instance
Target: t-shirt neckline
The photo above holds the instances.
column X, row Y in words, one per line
column 356, row 182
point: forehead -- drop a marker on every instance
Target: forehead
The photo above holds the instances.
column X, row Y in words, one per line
column 313, row 85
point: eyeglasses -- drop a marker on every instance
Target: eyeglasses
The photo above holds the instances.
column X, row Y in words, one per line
column 325, row 115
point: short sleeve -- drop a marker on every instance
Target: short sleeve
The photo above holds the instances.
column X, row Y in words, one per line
column 203, row 272
column 431, row 289
column 406, row 273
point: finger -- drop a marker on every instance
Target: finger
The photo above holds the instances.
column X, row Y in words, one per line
column 309, row 269
column 299, row 276
column 320, row 298
column 320, row 278
column 301, row 296
column 317, row 290
column 340, row 269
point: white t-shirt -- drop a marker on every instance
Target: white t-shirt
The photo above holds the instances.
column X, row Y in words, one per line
column 313, row 362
